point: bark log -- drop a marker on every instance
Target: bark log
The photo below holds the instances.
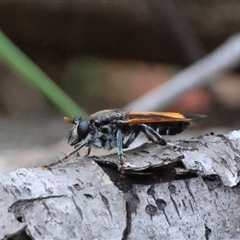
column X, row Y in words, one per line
column 160, row 194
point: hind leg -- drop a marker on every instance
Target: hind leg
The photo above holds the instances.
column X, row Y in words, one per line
column 155, row 137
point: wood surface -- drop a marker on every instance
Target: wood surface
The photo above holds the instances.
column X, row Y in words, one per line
column 162, row 194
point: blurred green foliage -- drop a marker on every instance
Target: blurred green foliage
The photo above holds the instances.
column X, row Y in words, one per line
column 85, row 74
column 18, row 62
column 88, row 86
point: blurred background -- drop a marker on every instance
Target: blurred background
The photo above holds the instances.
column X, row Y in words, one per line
column 106, row 55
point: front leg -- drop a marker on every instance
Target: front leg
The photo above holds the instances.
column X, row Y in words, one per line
column 119, row 140
column 88, row 151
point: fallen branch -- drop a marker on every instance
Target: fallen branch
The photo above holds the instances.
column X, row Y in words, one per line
column 163, row 195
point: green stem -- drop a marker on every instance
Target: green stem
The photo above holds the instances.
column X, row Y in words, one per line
column 16, row 60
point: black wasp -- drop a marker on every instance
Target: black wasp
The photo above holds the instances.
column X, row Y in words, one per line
column 117, row 128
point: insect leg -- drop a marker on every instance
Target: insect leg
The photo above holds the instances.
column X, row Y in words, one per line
column 88, row 151
column 132, row 137
column 61, row 160
column 120, row 146
column 155, row 137
column 152, row 135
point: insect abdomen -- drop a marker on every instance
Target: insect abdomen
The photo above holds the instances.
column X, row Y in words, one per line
column 171, row 128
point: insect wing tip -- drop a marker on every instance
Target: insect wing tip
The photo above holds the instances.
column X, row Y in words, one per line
column 195, row 116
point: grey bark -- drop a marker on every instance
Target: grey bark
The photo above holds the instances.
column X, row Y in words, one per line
column 160, row 194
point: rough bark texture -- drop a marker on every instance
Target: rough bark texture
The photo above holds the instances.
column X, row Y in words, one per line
column 161, row 194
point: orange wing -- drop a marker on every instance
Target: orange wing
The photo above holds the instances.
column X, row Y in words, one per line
column 161, row 117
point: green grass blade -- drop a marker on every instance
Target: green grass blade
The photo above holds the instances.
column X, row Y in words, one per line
column 17, row 61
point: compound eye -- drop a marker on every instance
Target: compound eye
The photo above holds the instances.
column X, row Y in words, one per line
column 83, row 129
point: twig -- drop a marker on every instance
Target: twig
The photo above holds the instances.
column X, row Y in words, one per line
column 177, row 26
column 203, row 72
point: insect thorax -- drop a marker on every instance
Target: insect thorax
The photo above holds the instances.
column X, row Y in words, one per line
column 106, row 117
